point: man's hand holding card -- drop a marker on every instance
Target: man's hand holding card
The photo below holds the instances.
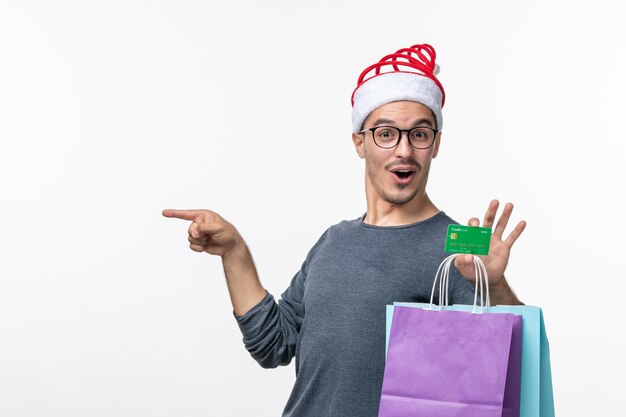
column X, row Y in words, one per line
column 496, row 258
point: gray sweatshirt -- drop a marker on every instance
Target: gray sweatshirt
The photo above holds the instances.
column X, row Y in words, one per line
column 332, row 316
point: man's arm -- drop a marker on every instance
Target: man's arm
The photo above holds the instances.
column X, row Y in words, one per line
column 270, row 329
column 244, row 286
column 210, row 233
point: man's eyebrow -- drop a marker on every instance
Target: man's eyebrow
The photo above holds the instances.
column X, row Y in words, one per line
column 418, row 122
column 383, row 121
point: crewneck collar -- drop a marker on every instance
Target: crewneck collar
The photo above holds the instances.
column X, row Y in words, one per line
column 401, row 226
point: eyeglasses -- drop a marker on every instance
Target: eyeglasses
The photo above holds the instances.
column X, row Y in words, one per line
column 388, row 137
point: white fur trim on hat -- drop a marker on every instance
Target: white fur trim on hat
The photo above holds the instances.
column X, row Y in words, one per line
column 395, row 86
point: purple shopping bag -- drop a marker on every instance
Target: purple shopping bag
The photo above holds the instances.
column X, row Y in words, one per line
column 446, row 363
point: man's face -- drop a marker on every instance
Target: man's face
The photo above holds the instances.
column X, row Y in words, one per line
column 399, row 174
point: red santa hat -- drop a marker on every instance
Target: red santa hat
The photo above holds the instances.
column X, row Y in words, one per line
column 407, row 74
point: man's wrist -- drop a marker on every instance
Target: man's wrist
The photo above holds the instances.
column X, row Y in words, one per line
column 502, row 293
column 239, row 251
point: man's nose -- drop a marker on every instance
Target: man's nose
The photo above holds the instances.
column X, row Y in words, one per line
column 404, row 147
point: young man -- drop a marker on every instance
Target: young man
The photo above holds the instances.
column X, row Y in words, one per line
column 332, row 315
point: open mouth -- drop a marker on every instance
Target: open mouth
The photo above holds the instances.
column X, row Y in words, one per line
column 403, row 174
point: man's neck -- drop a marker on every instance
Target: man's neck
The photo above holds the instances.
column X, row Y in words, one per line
column 384, row 213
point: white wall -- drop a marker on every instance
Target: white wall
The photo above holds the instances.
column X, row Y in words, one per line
column 111, row 111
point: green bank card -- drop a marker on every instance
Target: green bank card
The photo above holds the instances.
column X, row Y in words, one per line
column 468, row 239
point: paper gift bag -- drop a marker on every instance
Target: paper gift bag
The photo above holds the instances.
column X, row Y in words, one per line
column 536, row 397
column 450, row 363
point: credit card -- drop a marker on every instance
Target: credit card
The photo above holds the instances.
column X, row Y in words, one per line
column 468, row 239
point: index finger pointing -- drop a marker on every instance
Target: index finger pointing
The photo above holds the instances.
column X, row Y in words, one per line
column 182, row 214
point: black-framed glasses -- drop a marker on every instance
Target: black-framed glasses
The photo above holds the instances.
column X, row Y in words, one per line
column 388, row 137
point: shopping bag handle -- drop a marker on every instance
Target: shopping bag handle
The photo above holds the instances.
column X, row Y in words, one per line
column 443, row 276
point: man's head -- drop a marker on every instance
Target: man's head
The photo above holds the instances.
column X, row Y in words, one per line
column 396, row 123
column 397, row 174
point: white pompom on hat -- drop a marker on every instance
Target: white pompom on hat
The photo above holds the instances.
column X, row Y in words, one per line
column 411, row 77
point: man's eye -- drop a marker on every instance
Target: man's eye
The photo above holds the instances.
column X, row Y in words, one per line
column 385, row 134
column 421, row 134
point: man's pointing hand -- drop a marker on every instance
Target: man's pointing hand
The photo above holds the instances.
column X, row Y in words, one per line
column 208, row 232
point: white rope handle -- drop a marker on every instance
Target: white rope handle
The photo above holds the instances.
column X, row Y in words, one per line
column 481, row 274
column 443, row 275
column 437, row 274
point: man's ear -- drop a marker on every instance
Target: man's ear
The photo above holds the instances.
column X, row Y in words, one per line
column 436, row 145
column 359, row 144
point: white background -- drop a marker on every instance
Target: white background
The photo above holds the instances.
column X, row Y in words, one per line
column 111, row 111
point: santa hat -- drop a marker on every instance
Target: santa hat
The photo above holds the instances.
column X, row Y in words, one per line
column 409, row 75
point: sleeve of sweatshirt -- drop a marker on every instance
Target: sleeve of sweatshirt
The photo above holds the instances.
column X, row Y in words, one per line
column 270, row 329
